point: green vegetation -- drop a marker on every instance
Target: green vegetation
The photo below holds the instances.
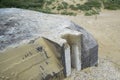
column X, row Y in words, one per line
column 21, row 3
column 68, row 13
column 65, row 5
column 91, row 7
column 73, row 7
column 61, row 6
column 111, row 4
column 91, row 12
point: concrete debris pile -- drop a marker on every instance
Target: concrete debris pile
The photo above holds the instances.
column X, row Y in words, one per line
column 38, row 46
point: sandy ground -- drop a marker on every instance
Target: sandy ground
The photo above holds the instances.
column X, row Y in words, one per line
column 104, row 71
column 106, row 29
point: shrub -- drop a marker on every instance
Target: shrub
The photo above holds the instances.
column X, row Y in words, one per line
column 53, row 7
column 62, row 6
column 93, row 3
column 91, row 12
column 89, row 5
column 46, row 10
column 59, row 7
column 65, row 5
column 68, row 13
column 72, row 7
column 22, row 3
column 49, row 2
column 112, row 4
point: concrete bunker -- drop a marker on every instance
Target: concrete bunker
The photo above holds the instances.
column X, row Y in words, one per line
column 36, row 40
column 67, row 55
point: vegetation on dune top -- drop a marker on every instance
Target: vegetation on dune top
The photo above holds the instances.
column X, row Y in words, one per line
column 91, row 7
column 111, row 4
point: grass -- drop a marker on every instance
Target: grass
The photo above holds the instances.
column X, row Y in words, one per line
column 91, row 7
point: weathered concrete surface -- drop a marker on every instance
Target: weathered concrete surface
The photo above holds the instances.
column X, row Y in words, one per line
column 18, row 27
column 89, row 47
column 33, row 61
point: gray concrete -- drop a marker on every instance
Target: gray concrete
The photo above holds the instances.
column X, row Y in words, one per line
column 67, row 59
column 18, row 26
column 74, row 40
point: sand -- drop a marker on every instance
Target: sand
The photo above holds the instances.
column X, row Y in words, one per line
column 104, row 71
column 106, row 30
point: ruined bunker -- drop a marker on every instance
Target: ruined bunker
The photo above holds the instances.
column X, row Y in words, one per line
column 38, row 46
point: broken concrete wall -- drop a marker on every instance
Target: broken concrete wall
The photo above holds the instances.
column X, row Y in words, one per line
column 62, row 53
column 33, row 61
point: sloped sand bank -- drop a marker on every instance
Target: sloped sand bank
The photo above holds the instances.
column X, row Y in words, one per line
column 106, row 29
